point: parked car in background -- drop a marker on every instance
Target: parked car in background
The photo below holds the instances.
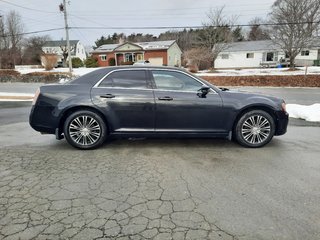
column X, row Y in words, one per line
column 146, row 101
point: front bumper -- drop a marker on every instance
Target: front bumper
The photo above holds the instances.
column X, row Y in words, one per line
column 281, row 123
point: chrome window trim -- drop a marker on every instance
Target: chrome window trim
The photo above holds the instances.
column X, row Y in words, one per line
column 116, row 70
column 122, row 88
column 178, row 71
column 151, row 69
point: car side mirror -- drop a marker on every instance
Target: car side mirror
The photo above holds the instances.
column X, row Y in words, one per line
column 203, row 91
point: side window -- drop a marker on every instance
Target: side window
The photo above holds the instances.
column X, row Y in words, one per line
column 126, row 79
column 167, row 80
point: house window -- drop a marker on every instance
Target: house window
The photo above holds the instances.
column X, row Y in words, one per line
column 129, row 57
column 305, row 53
column 225, row 56
column 103, row 57
column 139, row 57
column 250, row 55
column 270, row 56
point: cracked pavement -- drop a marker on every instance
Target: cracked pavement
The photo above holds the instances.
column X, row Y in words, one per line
column 159, row 189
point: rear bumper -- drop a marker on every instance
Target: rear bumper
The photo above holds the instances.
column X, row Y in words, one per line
column 282, row 123
column 40, row 119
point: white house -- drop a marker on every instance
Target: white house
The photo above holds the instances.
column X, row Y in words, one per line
column 254, row 54
column 57, row 47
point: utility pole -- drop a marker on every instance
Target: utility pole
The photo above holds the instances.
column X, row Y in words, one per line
column 1, row 33
column 63, row 8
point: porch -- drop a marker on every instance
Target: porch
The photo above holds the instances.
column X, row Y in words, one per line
column 128, row 58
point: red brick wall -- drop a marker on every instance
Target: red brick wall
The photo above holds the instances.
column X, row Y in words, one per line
column 157, row 53
column 148, row 54
column 100, row 62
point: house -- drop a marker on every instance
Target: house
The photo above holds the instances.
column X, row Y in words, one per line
column 58, row 47
column 157, row 53
column 254, row 54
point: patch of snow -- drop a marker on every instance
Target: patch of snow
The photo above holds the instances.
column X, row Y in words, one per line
column 15, row 100
column 309, row 113
column 262, row 72
column 75, row 71
column 229, row 72
column 10, row 94
column 15, row 97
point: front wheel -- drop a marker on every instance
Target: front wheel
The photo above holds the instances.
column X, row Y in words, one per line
column 255, row 129
column 85, row 130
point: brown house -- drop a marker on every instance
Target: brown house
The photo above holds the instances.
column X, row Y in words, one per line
column 157, row 53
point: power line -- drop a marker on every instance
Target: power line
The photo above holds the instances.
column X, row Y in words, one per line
column 34, row 32
column 166, row 27
column 27, row 8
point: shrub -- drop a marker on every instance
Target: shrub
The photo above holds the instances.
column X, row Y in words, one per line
column 76, row 62
column 127, row 63
column 91, row 62
column 49, row 61
column 112, row 62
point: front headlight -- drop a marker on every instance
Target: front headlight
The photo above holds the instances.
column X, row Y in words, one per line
column 36, row 95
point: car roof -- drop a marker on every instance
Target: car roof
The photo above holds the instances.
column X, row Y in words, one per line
column 92, row 77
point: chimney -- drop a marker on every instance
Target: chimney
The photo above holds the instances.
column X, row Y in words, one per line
column 121, row 40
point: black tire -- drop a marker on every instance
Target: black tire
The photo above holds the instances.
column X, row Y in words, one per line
column 254, row 129
column 85, row 130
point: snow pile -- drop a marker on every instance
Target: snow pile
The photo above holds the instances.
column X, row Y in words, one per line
column 309, row 113
column 261, row 72
column 75, row 71
column 229, row 72
column 15, row 97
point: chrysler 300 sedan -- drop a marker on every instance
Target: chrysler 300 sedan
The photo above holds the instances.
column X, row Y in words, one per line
column 146, row 101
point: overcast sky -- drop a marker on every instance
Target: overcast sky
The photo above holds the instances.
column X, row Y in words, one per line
column 40, row 15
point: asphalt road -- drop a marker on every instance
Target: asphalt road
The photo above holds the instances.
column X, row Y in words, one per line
column 166, row 189
column 157, row 189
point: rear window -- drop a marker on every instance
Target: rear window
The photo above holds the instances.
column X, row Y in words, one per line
column 90, row 78
column 126, row 79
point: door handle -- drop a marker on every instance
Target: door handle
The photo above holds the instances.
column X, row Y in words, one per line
column 108, row 96
column 166, row 98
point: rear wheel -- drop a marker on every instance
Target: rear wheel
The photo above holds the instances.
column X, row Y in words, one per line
column 85, row 130
column 255, row 129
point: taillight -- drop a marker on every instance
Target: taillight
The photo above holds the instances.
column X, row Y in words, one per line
column 283, row 106
column 36, row 95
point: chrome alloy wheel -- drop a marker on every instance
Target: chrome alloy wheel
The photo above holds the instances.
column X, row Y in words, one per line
column 84, row 130
column 256, row 129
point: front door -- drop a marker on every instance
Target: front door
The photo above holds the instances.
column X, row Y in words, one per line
column 179, row 108
column 127, row 99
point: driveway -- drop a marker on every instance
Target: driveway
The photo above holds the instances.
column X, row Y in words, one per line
column 159, row 189
column 156, row 189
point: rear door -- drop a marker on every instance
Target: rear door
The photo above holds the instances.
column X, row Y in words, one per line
column 127, row 99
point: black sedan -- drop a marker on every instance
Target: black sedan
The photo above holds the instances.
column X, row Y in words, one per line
column 151, row 101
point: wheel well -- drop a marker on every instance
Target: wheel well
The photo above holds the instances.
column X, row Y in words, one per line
column 263, row 108
column 80, row 108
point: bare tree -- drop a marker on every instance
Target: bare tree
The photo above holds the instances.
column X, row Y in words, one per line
column 196, row 57
column 258, row 32
column 32, row 49
column 65, row 54
column 2, row 40
column 216, row 33
column 14, row 32
column 295, row 24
